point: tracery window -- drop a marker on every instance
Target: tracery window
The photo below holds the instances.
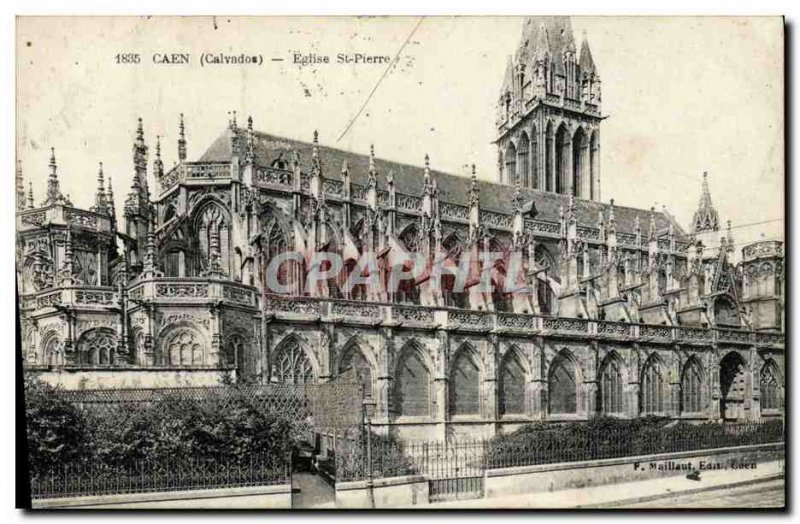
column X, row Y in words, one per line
column 412, row 390
column 770, row 386
column 212, row 224
column 692, row 387
column 512, row 385
column 291, row 365
column 184, row 348
column 464, row 386
column 354, row 359
column 611, row 396
column 653, row 388
column 53, row 352
column 562, row 387
column 96, row 348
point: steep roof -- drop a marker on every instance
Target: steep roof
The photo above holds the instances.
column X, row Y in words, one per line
column 454, row 189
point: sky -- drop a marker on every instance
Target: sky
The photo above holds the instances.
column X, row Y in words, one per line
column 681, row 95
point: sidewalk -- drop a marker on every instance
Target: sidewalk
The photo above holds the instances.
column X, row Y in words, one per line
column 620, row 495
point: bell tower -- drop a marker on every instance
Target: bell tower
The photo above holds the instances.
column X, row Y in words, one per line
column 549, row 112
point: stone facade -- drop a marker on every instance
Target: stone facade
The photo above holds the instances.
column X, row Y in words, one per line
column 627, row 314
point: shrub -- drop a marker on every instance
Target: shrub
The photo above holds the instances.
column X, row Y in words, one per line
column 57, row 432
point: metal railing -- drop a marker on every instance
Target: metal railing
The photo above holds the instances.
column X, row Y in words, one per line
column 98, row 479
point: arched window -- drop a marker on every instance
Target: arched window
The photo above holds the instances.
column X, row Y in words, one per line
column 562, row 386
column 234, row 352
column 511, row 163
column 413, row 385
column 407, row 290
column 277, row 244
column 464, row 386
column 563, row 153
column 549, row 178
column 53, row 354
column 212, row 227
column 692, row 387
column 185, row 348
column 453, row 247
column 523, row 165
column 580, row 152
column 610, row 391
column 173, row 263
column 594, row 163
column 770, row 386
column 512, row 385
column 291, row 365
column 96, row 348
column 653, row 388
column 354, row 359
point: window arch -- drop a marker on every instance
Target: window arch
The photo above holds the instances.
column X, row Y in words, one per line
column 563, row 153
column 96, row 348
column 453, row 246
column 355, row 359
column 412, row 390
column 464, row 385
column 594, row 162
column 653, row 387
column 212, row 225
column 562, row 386
column 53, row 353
column 234, row 351
column 610, row 392
column 523, row 161
column 511, row 163
column 512, row 385
column 184, row 347
column 580, row 152
column 692, row 387
column 548, row 158
column 770, row 386
column 544, row 292
column 291, row 364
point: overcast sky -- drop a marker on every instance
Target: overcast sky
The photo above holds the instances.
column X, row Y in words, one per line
column 682, row 96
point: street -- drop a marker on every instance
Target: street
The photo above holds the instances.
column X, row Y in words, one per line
column 764, row 495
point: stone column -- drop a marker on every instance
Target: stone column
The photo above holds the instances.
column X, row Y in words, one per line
column 490, row 381
column 383, row 382
column 538, row 384
column 589, row 389
column 439, row 408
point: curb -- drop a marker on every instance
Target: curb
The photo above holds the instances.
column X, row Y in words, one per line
column 692, row 491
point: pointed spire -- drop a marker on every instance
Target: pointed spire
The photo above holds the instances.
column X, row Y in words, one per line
column 20, row 187
column 112, row 210
column 250, row 154
column 316, row 162
column 652, row 232
column 586, row 61
column 612, row 221
column 474, row 191
column 53, row 189
column 706, row 217
column 181, row 141
column 345, row 170
column 427, row 186
column 517, row 200
column 100, row 204
column 373, row 172
column 158, row 165
column 30, row 195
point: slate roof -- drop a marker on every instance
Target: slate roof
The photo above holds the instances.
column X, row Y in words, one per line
column 452, row 188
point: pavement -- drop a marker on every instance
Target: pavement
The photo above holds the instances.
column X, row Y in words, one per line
column 310, row 491
column 667, row 492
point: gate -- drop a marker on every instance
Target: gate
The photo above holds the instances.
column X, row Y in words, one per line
column 455, row 470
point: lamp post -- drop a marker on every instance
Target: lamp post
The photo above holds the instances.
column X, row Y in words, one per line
column 368, row 408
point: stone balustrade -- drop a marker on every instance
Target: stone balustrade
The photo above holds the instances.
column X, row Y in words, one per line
column 63, row 216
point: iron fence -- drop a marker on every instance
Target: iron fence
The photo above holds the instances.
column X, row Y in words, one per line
column 98, row 479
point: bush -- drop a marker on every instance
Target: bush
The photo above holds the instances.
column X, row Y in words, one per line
column 172, row 430
column 57, row 432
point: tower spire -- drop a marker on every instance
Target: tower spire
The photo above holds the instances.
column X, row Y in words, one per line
column 706, row 217
column 100, row 204
column 20, row 187
column 158, row 165
column 54, row 195
column 181, row 141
